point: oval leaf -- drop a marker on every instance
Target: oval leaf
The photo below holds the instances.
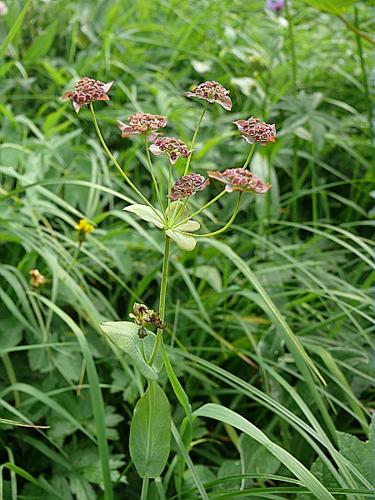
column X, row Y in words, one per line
column 146, row 213
column 124, row 335
column 150, row 432
column 183, row 241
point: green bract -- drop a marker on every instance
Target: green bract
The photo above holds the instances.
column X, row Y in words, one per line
column 175, row 222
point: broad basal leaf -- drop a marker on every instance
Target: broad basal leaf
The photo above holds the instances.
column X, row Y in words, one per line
column 150, row 432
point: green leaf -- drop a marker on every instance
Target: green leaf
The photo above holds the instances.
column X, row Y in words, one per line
column 150, row 432
column 230, row 417
column 211, row 275
column 256, row 458
column 124, row 335
column 332, row 6
column 146, row 213
column 17, row 25
column 183, row 240
column 42, row 44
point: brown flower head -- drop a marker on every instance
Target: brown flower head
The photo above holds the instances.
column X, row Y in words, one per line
column 254, row 131
column 36, row 278
column 212, row 92
column 142, row 124
column 143, row 316
column 238, row 179
column 188, row 185
column 87, row 90
column 171, row 146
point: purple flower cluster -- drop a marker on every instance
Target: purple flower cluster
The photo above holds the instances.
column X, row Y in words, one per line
column 171, row 146
column 275, row 5
column 187, row 185
column 239, row 179
column 87, row 90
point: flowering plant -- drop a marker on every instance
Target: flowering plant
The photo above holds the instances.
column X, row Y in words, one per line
column 173, row 216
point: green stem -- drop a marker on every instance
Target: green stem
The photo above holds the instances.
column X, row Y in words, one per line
column 8, row 365
column 144, row 493
column 369, row 104
column 208, row 204
column 249, row 156
column 194, row 138
column 227, row 225
column 74, row 258
column 114, row 161
column 292, row 46
column 293, row 57
column 149, row 161
column 163, row 295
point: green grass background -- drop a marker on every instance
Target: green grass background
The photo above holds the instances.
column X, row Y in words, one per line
column 305, row 249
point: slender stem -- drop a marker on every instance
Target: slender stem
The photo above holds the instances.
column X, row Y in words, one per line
column 227, row 225
column 114, row 161
column 249, row 156
column 192, row 144
column 355, row 30
column 163, row 295
column 208, row 204
column 144, row 493
column 156, row 186
column 292, row 46
column 366, row 90
column 169, row 192
column 74, row 258
column 293, row 57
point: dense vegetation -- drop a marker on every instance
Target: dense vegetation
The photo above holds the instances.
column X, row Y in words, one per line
column 270, row 322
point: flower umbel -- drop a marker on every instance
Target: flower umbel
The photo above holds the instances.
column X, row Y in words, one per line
column 36, row 278
column 212, row 92
column 142, row 124
column 254, row 131
column 143, row 316
column 87, row 90
column 238, row 179
column 171, row 146
column 187, row 185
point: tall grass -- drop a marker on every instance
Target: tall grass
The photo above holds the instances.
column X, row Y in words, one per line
column 271, row 328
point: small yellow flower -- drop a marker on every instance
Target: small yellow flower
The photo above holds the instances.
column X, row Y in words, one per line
column 84, row 227
column 37, row 279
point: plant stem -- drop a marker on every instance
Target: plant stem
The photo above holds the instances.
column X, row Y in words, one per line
column 369, row 104
column 292, row 46
column 249, row 156
column 208, row 204
column 227, row 225
column 194, row 138
column 163, row 294
column 144, row 493
column 293, row 57
column 156, row 186
column 114, row 161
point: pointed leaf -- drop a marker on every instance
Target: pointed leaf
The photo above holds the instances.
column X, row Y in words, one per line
column 150, row 432
column 146, row 213
column 124, row 335
column 189, row 226
column 183, row 241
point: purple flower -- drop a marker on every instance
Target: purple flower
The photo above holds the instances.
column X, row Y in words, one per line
column 238, row 179
column 171, row 146
column 275, row 5
column 87, row 90
column 212, row 92
column 187, row 185
column 142, row 124
column 255, row 131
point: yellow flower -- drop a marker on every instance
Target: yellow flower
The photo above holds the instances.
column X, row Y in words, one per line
column 84, row 227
